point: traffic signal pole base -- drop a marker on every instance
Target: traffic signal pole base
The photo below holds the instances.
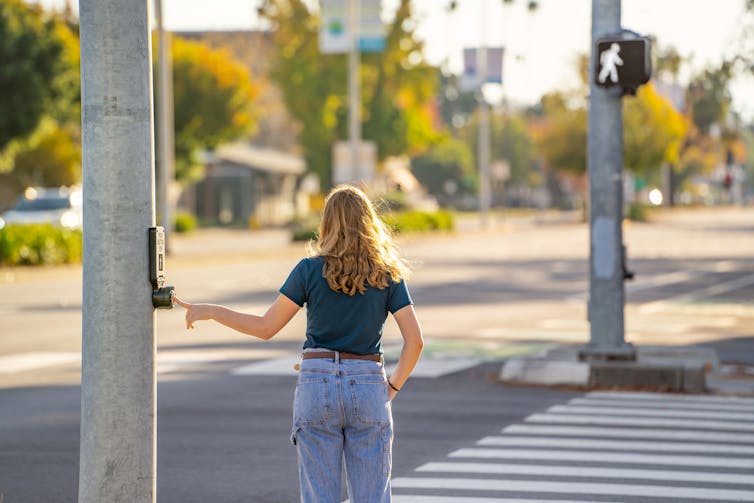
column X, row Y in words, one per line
column 654, row 368
column 624, row 352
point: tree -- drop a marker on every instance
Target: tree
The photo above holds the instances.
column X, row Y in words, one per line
column 708, row 96
column 397, row 87
column 653, row 131
column 50, row 157
column 213, row 100
column 36, row 74
column 512, row 142
column 445, row 168
column 561, row 138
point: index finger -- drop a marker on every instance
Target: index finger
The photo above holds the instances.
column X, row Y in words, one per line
column 178, row 301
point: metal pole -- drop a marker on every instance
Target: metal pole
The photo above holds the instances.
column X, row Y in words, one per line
column 165, row 128
column 117, row 446
column 605, row 161
column 484, row 128
column 354, row 88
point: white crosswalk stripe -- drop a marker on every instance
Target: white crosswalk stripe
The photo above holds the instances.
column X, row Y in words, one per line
column 647, row 447
column 427, row 367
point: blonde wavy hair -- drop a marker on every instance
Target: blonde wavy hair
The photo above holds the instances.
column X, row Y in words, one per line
column 356, row 245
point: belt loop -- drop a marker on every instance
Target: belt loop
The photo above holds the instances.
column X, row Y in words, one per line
column 337, row 363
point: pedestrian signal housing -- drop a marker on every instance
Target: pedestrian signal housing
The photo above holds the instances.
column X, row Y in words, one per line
column 623, row 61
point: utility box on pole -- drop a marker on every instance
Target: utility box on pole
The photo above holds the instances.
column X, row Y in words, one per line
column 118, row 384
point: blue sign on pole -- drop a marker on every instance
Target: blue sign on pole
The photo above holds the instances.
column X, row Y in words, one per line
column 371, row 28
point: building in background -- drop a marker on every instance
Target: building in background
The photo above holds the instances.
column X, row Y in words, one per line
column 245, row 186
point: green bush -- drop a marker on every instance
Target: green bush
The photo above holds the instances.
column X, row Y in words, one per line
column 638, row 212
column 420, row 221
column 39, row 244
column 304, row 233
column 305, row 228
column 185, row 222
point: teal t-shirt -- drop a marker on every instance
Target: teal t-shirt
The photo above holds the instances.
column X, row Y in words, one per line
column 338, row 321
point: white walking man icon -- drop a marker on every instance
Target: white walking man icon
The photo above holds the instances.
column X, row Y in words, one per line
column 609, row 59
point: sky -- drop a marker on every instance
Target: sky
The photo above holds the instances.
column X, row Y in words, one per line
column 541, row 49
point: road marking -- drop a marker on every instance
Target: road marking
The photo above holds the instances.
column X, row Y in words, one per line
column 177, row 360
column 25, row 362
column 592, row 471
column 640, row 421
column 282, row 366
column 702, row 293
column 604, row 457
column 586, row 431
column 663, row 405
column 655, row 491
column 676, row 398
column 607, row 410
column 427, row 367
column 614, row 445
column 518, row 334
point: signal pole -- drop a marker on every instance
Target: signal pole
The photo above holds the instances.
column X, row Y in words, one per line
column 354, row 84
column 605, row 166
column 118, row 385
column 165, row 122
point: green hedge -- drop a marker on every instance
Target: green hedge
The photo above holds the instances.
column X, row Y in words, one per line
column 185, row 222
column 39, row 244
column 420, row 221
column 638, row 212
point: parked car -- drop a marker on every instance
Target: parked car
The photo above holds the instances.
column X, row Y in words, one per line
column 58, row 206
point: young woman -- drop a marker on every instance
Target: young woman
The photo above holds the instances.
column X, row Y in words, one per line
column 341, row 408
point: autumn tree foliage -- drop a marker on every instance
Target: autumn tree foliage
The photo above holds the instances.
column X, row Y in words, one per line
column 36, row 74
column 213, row 100
column 397, row 86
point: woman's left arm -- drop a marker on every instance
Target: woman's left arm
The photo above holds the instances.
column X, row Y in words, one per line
column 265, row 327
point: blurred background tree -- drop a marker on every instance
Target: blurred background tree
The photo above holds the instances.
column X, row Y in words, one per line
column 446, row 169
column 40, row 111
column 213, row 100
column 653, row 132
column 561, row 138
column 397, row 86
column 36, row 74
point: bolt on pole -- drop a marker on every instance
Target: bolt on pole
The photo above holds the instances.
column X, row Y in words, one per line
column 118, row 384
column 605, row 161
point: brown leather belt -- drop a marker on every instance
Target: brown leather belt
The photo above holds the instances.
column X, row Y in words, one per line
column 343, row 356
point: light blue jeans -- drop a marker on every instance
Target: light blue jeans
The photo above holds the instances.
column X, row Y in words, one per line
column 341, row 411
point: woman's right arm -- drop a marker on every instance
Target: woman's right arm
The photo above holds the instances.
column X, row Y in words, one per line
column 413, row 342
column 264, row 327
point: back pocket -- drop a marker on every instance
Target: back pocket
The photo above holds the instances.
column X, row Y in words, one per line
column 311, row 401
column 370, row 400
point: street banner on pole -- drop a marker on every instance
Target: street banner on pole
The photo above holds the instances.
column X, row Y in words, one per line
column 471, row 78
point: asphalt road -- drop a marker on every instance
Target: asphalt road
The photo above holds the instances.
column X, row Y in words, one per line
column 481, row 295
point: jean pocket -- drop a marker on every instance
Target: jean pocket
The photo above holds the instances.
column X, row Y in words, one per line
column 311, row 401
column 370, row 401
